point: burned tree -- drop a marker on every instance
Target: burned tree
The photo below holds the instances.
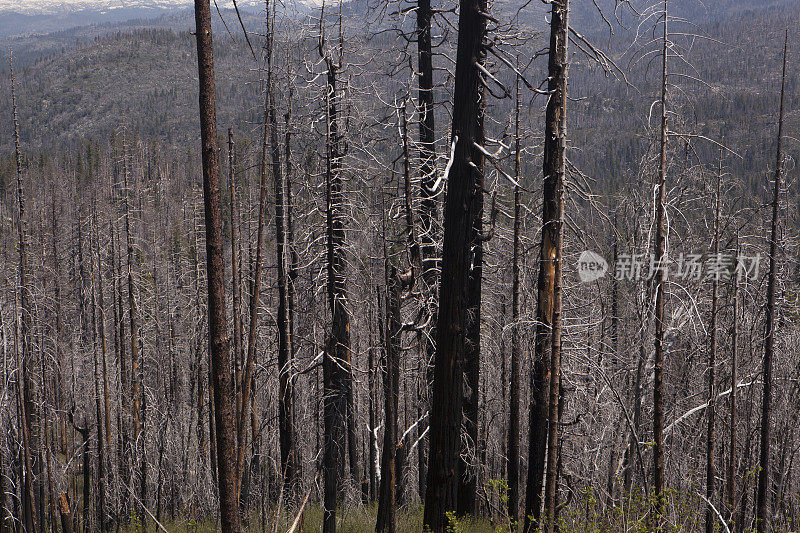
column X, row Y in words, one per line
column 462, row 213
column 218, row 341
column 762, row 497
column 547, row 352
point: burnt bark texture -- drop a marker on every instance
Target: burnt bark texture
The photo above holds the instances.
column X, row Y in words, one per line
column 547, row 349
column 462, row 211
column 218, row 340
column 762, row 495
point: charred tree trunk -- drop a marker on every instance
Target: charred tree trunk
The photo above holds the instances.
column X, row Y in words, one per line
column 711, row 368
column 762, row 499
column 513, row 414
column 270, row 137
column 65, row 512
column 391, row 388
column 546, row 373
column 730, row 480
column 101, row 492
column 336, row 363
column 218, row 340
column 462, row 212
column 373, row 416
column 25, row 385
column 235, row 269
column 660, row 253
column 427, row 215
column 285, row 394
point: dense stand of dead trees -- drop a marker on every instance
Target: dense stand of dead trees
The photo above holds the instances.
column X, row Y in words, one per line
column 435, row 406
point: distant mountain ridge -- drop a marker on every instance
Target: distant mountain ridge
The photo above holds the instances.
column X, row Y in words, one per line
column 53, row 7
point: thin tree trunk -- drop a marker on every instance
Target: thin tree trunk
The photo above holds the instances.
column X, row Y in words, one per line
column 660, row 253
column 712, row 362
column 513, row 413
column 546, row 375
column 373, row 417
column 235, row 270
column 391, row 388
column 101, row 486
column 218, row 342
column 730, row 480
column 24, row 386
column 270, row 137
column 762, row 501
column 285, row 394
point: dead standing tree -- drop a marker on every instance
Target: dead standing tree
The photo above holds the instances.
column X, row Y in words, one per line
column 336, row 366
column 24, row 386
column 218, row 341
column 462, row 211
column 762, row 496
column 546, row 374
column 660, row 279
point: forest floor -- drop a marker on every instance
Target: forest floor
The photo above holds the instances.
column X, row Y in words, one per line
column 359, row 519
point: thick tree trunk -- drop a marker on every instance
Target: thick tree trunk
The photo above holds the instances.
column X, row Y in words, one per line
column 285, row 394
column 218, row 340
column 337, row 376
column 462, row 211
column 546, row 374
column 762, row 499
column 65, row 512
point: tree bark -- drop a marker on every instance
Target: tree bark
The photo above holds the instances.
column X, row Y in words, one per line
column 427, row 215
column 730, row 480
column 546, row 374
column 24, row 385
column 336, row 369
column 387, row 513
column 218, row 340
column 660, row 255
column 762, row 499
column 462, row 211
column 711, row 368
column 513, row 410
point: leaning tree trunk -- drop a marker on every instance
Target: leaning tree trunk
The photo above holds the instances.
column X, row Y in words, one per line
column 218, row 342
column 544, row 401
column 460, row 215
column 762, row 499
